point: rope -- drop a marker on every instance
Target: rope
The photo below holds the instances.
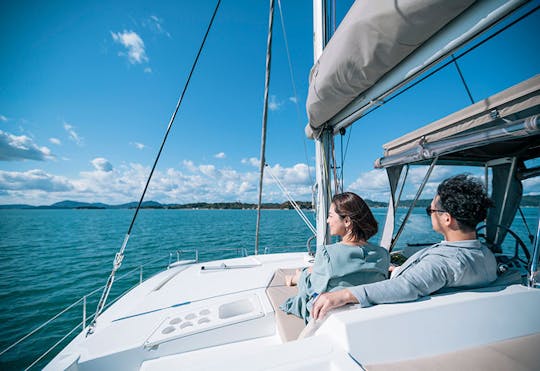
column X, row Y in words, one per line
column 293, row 203
column 120, row 255
column 264, row 121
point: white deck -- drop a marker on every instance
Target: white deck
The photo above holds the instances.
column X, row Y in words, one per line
column 225, row 321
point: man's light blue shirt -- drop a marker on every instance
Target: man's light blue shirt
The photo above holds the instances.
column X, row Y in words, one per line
column 463, row 264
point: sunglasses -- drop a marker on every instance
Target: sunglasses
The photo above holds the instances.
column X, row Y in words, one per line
column 430, row 211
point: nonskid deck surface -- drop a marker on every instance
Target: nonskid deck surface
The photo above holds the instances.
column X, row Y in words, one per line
column 186, row 308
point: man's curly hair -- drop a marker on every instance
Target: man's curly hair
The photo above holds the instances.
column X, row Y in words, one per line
column 465, row 198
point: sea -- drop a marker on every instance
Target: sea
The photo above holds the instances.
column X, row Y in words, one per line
column 51, row 259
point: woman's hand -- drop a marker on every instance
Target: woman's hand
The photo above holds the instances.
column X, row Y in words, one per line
column 330, row 300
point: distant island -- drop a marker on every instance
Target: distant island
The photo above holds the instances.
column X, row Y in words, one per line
column 525, row 201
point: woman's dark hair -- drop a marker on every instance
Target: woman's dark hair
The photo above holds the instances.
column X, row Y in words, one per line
column 465, row 198
column 363, row 224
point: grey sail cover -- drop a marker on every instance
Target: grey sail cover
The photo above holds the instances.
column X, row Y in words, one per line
column 372, row 39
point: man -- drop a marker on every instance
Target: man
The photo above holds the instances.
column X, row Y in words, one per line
column 458, row 261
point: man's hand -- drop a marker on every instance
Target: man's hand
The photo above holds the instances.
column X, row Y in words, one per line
column 330, row 300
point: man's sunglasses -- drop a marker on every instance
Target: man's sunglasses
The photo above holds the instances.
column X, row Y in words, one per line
column 430, row 211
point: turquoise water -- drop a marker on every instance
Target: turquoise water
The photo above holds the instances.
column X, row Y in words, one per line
column 51, row 258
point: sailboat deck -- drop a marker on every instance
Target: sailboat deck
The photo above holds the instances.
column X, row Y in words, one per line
column 222, row 317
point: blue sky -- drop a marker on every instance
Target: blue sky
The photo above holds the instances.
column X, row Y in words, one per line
column 87, row 90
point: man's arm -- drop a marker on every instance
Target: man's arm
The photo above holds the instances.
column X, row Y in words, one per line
column 425, row 277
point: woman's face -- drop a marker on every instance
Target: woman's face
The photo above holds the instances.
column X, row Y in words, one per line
column 335, row 222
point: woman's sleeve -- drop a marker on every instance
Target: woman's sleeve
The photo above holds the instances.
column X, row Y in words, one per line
column 321, row 272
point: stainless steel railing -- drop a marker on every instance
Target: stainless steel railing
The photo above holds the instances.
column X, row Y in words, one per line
column 70, row 307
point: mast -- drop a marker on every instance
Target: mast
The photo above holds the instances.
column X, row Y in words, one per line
column 322, row 144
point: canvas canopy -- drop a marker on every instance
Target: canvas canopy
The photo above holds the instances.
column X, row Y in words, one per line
column 503, row 125
column 502, row 132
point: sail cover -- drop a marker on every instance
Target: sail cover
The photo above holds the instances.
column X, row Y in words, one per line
column 372, row 39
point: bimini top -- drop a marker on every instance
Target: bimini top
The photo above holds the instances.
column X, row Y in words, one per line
column 506, row 124
column 381, row 45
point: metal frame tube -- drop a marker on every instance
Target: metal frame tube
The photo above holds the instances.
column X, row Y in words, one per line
column 535, row 256
column 505, row 198
column 416, row 197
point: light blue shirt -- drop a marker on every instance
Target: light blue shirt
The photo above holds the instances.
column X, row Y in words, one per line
column 461, row 264
column 337, row 266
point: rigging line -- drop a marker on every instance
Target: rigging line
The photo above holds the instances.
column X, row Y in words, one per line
column 342, row 158
column 120, row 255
column 530, row 235
column 264, row 121
column 459, row 56
column 294, row 88
column 463, row 79
column 293, row 202
column 334, row 168
column 326, row 173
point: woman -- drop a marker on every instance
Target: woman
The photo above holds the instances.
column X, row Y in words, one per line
column 351, row 262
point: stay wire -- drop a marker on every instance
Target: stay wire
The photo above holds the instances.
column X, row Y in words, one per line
column 119, row 256
column 465, row 85
column 294, row 88
column 174, row 113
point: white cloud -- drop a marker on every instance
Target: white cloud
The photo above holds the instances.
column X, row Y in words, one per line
column 155, row 24
column 55, row 141
column 208, row 170
column 298, row 174
column 138, row 145
column 253, row 161
column 101, row 164
column 374, row 185
column 134, row 45
column 3, row 118
column 73, row 134
column 189, row 165
column 273, row 104
column 220, row 155
column 531, row 186
column 293, row 99
column 192, row 183
column 18, row 148
column 33, row 180
column 147, row 70
column 371, row 185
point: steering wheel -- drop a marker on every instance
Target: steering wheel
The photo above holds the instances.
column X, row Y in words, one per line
column 519, row 242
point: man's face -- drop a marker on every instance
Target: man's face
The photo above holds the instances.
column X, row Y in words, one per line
column 435, row 216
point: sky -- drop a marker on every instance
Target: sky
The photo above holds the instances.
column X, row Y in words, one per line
column 87, row 90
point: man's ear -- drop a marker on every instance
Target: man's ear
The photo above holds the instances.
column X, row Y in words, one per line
column 450, row 221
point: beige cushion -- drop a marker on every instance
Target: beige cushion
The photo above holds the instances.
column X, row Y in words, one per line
column 515, row 354
column 288, row 326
